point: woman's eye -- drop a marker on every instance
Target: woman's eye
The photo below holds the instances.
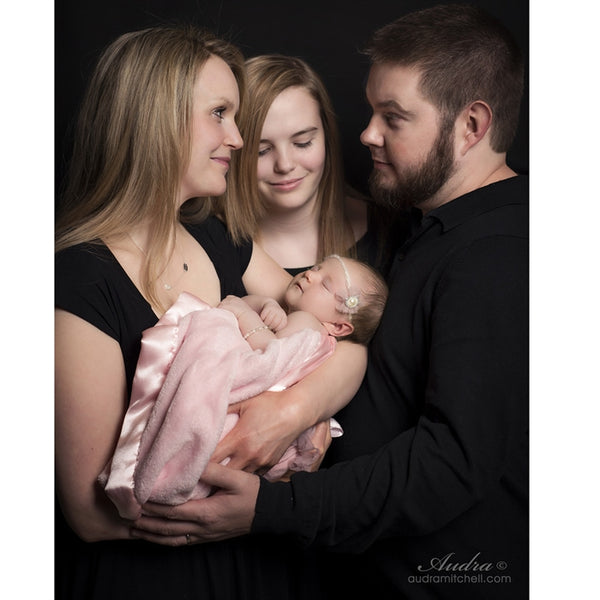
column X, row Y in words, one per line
column 264, row 150
column 303, row 144
column 219, row 113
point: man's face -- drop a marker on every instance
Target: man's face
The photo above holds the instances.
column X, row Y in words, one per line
column 411, row 145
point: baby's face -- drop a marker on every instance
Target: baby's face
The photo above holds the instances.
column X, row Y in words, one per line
column 319, row 290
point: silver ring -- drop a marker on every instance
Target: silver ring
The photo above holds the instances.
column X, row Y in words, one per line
column 188, row 539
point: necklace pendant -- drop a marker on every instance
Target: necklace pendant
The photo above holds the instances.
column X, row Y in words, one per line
column 167, row 286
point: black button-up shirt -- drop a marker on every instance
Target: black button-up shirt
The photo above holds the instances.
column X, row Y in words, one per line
column 436, row 488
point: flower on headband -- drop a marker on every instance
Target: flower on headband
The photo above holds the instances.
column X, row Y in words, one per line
column 348, row 305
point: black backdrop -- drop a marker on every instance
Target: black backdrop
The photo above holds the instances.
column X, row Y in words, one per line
column 327, row 34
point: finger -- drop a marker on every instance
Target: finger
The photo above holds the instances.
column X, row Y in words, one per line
column 225, row 450
column 162, row 516
column 224, row 478
column 179, row 540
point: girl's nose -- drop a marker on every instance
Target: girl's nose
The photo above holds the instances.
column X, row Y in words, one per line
column 283, row 163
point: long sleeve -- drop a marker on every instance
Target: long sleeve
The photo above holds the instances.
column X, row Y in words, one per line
column 461, row 444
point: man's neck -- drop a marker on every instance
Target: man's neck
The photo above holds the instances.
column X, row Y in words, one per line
column 467, row 180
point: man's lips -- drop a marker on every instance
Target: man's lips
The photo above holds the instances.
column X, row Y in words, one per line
column 380, row 164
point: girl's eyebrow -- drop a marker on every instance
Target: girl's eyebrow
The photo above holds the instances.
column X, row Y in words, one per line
column 294, row 135
column 305, row 131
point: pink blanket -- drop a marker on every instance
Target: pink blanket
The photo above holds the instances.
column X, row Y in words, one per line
column 193, row 363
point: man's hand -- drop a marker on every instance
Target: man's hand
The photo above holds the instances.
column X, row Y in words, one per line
column 228, row 513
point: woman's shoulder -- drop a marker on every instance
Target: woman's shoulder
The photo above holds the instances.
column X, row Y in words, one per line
column 83, row 261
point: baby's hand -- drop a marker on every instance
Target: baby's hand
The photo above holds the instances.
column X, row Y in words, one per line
column 273, row 315
column 234, row 305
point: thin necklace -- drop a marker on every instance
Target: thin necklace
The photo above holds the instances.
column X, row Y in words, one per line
column 166, row 285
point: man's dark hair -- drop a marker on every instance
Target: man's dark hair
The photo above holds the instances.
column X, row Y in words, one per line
column 464, row 55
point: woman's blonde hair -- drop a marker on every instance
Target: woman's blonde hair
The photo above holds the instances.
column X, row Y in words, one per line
column 132, row 143
column 241, row 206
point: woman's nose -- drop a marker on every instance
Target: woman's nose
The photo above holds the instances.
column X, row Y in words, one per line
column 234, row 139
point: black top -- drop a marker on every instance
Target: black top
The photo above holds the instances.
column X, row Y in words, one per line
column 376, row 245
column 438, row 432
column 91, row 284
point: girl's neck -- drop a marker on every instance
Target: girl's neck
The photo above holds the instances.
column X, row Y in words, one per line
column 291, row 238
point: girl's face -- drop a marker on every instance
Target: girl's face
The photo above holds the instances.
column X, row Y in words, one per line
column 214, row 132
column 291, row 154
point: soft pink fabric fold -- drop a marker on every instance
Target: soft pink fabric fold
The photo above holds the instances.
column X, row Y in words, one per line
column 193, row 363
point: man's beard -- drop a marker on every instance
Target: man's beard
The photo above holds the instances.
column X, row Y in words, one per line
column 415, row 185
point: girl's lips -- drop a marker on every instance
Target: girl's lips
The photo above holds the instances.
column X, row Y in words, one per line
column 286, row 186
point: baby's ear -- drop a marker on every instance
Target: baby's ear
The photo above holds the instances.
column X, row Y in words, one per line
column 339, row 329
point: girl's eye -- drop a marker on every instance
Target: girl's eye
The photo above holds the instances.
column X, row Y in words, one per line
column 219, row 113
column 263, row 151
column 303, row 144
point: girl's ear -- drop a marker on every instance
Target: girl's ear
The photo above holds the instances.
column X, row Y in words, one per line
column 339, row 329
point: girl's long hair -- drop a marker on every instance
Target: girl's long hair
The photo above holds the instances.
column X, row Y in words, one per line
column 242, row 206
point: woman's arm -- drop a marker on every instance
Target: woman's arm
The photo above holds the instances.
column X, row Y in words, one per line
column 271, row 421
column 90, row 402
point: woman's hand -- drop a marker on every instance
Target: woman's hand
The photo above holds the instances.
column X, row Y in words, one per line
column 227, row 513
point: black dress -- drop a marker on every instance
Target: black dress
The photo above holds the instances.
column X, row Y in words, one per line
column 91, row 284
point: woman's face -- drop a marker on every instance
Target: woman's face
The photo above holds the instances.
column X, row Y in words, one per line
column 214, row 132
column 292, row 151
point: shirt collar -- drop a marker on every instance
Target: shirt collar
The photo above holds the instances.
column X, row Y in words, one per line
column 502, row 193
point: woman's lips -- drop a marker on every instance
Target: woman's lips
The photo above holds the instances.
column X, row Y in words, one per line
column 222, row 160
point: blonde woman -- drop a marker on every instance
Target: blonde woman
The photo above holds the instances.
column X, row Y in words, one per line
column 155, row 138
column 286, row 187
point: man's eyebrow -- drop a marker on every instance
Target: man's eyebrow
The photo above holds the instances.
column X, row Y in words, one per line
column 393, row 105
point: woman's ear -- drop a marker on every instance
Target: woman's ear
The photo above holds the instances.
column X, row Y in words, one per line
column 474, row 123
column 339, row 329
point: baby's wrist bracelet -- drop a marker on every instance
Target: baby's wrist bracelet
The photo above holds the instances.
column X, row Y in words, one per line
column 253, row 331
